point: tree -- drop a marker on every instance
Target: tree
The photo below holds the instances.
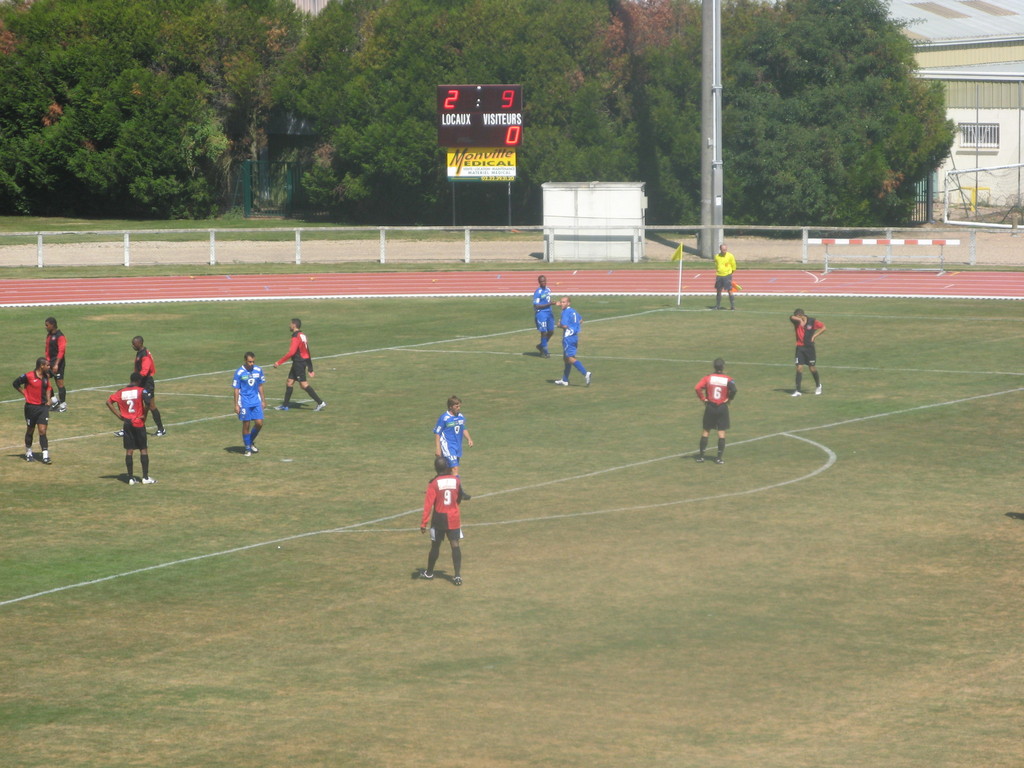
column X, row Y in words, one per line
column 376, row 76
column 824, row 119
column 134, row 107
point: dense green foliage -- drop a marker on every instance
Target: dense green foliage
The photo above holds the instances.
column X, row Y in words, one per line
column 147, row 108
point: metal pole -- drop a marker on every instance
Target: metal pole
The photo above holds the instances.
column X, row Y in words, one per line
column 679, row 290
column 711, row 213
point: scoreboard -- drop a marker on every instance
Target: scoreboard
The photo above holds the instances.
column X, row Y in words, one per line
column 479, row 116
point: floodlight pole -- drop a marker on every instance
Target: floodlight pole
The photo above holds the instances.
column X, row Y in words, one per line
column 711, row 217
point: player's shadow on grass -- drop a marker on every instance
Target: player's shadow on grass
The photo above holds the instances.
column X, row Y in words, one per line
column 121, row 478
column 239, row 449
column 439, row 575
column 1015, row 515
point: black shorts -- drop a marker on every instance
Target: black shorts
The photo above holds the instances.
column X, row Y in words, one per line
column 36, row 415
column 58, row 371
column 723, row 283
column 439, row 530
column 806, row 355
column 149, row 385
column 298, row 371
column 135, row 438
column 716, row 416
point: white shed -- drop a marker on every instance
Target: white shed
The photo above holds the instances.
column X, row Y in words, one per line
column 594, row 221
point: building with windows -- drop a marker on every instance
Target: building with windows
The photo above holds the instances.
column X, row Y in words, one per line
column 975, row 48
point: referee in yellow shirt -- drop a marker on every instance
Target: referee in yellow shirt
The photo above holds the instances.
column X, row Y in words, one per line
column 725, row 265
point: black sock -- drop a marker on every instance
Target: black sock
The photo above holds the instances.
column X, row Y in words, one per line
column 817, row 378
column 721, row 446
column 44, row 442
column 457, row 559
column 157, row 419
column 312, row 393
column 287, row 395
column 703, row 445
column 129, row 464
column 145, row 464
column 435, row 549
column 799, row 378
column 62, row 394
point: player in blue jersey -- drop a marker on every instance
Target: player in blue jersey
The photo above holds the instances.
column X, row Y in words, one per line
column 250, row 400
column 570, row 322
column 543, row 315
column 448, row 434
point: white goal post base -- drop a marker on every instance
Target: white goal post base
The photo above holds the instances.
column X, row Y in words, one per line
column 887, row 260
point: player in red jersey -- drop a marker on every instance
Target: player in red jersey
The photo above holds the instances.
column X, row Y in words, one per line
column 35, row 386
column 441, row 512
column 56, row 347
column 716, row 391
column 131, row 404
column 146, row 368
column 302, row 361
column 807, row 330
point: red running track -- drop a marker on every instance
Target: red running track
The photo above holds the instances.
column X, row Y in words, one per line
column 593, row 282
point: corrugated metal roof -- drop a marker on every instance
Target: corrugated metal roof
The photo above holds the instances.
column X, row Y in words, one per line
column 1012, row 71
column 944, row 20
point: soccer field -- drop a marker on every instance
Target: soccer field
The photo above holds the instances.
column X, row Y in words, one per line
column 844, row 591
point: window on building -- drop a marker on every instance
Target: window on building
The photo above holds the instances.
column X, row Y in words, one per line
column 979, row 135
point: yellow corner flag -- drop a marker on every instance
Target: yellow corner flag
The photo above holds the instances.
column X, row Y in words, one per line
column 677, row 254
column 736, row 286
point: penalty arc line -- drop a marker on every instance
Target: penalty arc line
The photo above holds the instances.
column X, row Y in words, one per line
column 832, row 458
column 354, row 526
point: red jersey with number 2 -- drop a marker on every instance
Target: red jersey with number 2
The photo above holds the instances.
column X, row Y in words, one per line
column 442, row 497
column 714, row 388
column 131, row 404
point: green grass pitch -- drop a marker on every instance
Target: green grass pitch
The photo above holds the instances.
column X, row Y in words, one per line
column 844, row 591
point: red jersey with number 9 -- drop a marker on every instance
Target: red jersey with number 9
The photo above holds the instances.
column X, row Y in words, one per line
column 442, row 497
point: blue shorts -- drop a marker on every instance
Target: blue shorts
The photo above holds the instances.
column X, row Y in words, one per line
column 251, row 413
column 545, row 322
column 569, row 344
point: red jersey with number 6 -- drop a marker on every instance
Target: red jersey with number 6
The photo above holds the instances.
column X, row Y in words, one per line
column 716, row 388
column 442, row 497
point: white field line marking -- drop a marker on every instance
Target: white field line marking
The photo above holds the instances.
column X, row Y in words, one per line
column 684, row 361
column 455, row 340
column 461, row 339
column 830, row 454
column 354, row 526
column 349, row 528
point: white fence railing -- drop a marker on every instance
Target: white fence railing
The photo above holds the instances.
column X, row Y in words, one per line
column 325, row 245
